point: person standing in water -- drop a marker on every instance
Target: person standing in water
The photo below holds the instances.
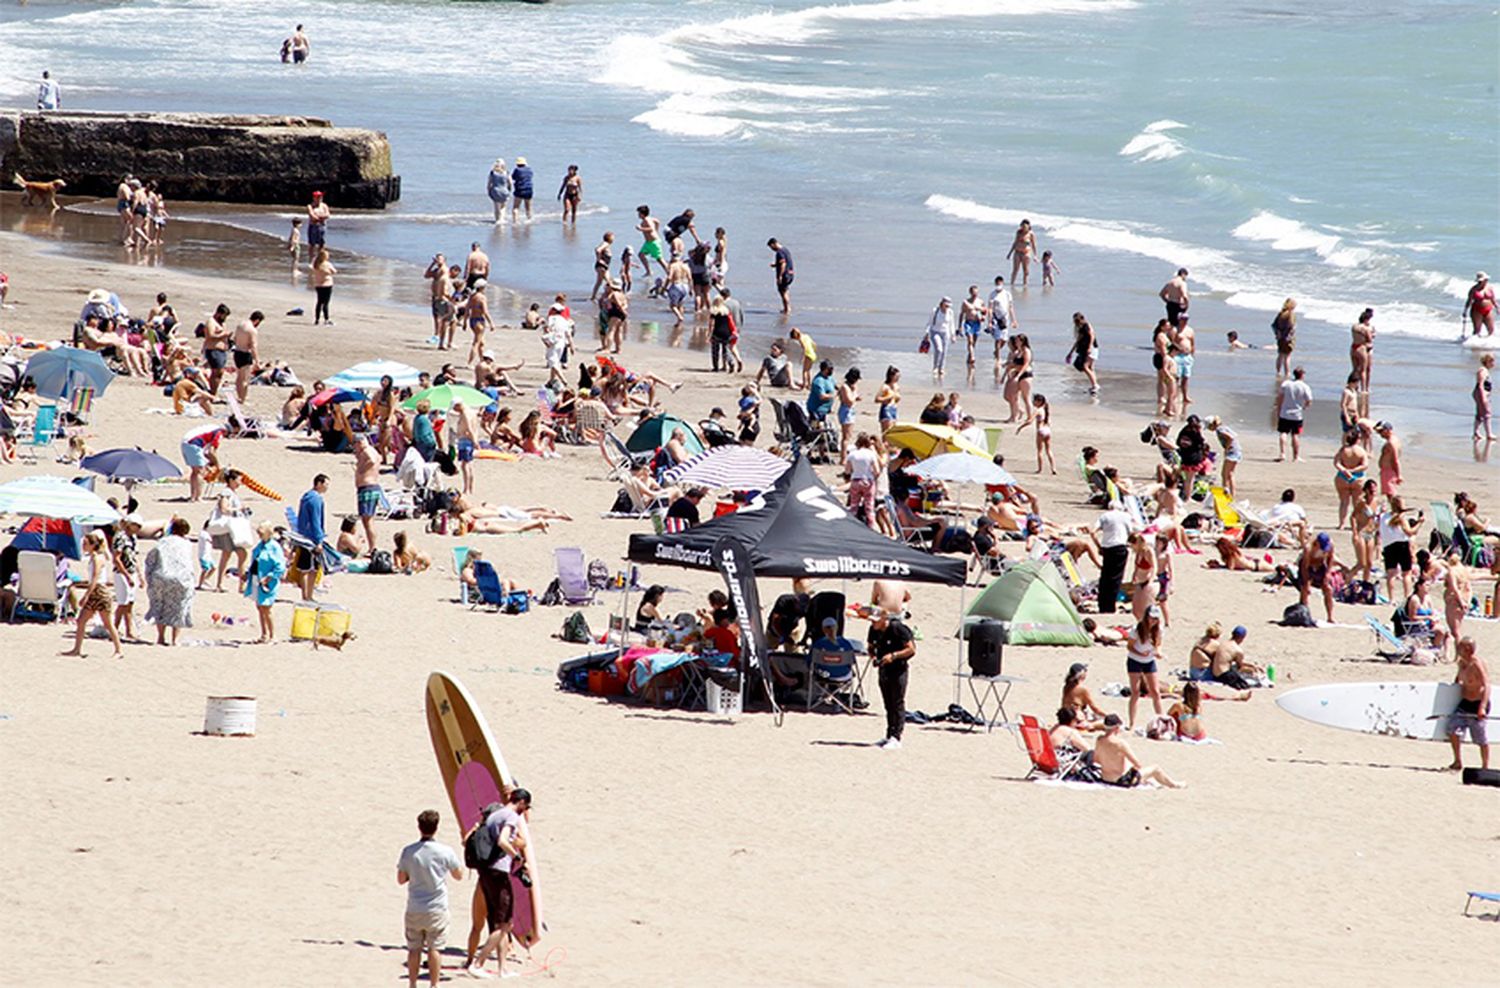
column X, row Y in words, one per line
column 1085, row 348
column 1021, row 250
column 317, row 223
column 571, row 194
column 1479, row 305
column 972, row 319
column 497, row 186
column 785, row 273
column 521, row 183
column 301, row 47
column 1362, row 355
column 1483, row 387
column 1175, row 295
column 1284, row 327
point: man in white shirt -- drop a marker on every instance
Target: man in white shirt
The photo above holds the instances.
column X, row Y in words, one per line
column 1002, row 313
column 1288, row 514
column 1292, row 399
column 971, row 432
column 424, row 869
column 1114, row 529
column 48, row 94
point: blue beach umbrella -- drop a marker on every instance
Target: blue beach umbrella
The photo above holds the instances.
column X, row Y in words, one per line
column 130, row 464
column 59, row 371
column 57, row 535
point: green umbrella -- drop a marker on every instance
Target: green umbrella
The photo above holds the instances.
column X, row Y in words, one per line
column 443, row 396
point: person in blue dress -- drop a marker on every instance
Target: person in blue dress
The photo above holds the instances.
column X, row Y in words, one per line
column 267, row 567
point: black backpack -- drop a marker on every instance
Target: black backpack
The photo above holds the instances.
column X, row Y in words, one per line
column 1297, row 616
column 480, row 848
column 381, row 563
column 576, row 629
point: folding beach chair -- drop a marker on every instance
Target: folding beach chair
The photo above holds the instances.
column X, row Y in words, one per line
column 783, row 433
column 242, row 426
column 37, row 595
column 1397, row 648
column 619, row 456
column 833, row 677
column 546, row 403
column 913, row 531
column 487, row 584
column 826, row 604
column 1224, row 509
column 1484, row 897
column 1450, row 532
column 1044, row 758
column 44, row 430
column 81, row 404
column 573, row 575
column 460, row 557
column 591, row 422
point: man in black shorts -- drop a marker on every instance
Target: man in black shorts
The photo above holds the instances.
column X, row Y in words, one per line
column 785, row 273
column 246, row 350
column 495, row 879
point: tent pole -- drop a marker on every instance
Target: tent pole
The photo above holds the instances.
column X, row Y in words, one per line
column 963, row 594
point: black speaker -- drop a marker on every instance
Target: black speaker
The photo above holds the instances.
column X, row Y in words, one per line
column 1472, row 776
column 986, row 640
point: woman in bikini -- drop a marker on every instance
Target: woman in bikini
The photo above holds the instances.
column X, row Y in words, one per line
column 1229, row 445
column 1479, row 306
column 1143, row 577
column 1166, row 369
column 502, row 433
column 1021, row 251
column 1232, row 557
column 1020, row 366
column 1349, row 465
column 1483, row 386
column 1042, row 418
column 887, row 398
column 1364, row 528
column 1185, row 714
column 571, row 194
column 1362, row 353
column 536, row 438
column 1204, row 651
column 1076, row 696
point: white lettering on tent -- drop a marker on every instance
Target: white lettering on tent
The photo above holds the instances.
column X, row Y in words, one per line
column 851, row 566
column 816, row 497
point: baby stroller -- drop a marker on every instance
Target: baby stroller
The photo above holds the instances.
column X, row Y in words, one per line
column 817, row 440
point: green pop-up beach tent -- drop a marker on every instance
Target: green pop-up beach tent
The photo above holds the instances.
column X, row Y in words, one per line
column 1032, row 601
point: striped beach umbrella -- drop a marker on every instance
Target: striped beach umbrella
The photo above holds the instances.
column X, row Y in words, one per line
column 55, row 497
column 369, row 373
column 735, row 468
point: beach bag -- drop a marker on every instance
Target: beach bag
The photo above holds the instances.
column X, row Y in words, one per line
column 1358, row 592
column 598, row 574
column 925, row 346
column 481, row 850
column 623, row 505
column 518, row 602
column 552, row 596
column 576, row 629
column 381, row 563
column 1297, row 616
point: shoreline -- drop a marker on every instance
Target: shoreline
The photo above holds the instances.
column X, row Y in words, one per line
column 218, row 247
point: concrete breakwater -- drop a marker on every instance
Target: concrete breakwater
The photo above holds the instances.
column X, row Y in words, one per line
column 274, row 160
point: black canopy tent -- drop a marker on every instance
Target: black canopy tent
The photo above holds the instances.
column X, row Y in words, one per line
column 798, row 528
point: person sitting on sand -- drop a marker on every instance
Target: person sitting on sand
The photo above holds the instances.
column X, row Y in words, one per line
column 190, row 389
column 405, row 558
column 1230, row 666
column 1205, row 650
column 347, row 544
column 291, row 409
column 467, row 578
column 1186, row 717
column 1118, row 765
column 1077, row 698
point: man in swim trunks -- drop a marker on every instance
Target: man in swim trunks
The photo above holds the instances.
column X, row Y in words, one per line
column 317, row 224
column 123, row 194
column 367, row 492
column 650, row 229
column 477, row 312
column 477, row 266
column 1390, row 459
column 464, row 433
column 679, row 284
column 1316, row 565
column 1176, row 296
column 1185, row 350
column 246, row 353
column 1473, row 680
column 442, row 304
column 971, row 315
column 216, row 347
column 1479, row 306
column 301, row 47
column 1118, row 765
column 785, row 273
column 1292, row 400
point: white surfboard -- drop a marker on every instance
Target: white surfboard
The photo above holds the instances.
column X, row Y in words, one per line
column 1400, row 710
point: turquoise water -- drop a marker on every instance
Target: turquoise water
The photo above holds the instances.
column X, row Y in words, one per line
column 1346, row 154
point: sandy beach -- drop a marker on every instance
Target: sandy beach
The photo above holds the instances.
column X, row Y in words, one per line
column 678, row 847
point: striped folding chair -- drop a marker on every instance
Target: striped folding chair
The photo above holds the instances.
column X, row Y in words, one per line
column 82, row 403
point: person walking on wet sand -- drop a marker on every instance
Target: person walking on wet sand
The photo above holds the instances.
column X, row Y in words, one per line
column 424, row 868
column 571, row 194
column 1022, row 249
column 1292, row 400
column 785, row 273
column 1473, row 679
column 1175, row 295
column 1390, row 459
column 497, row 187
column 1479, row 304
column 650, row 230
column 892, row 647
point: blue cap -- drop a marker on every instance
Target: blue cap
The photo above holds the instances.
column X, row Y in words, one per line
column 1239, row 631
column 1325, row 542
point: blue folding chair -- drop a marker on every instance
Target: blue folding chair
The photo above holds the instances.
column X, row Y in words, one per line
column 1483, row 897
column 487, row 583
column 43, row 431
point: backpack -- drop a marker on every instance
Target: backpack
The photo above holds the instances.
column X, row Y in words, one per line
column 552, row 596
column 598, row 574
column 1297, row 616
column 380, row 563
column 576, row 629
column 480, row 848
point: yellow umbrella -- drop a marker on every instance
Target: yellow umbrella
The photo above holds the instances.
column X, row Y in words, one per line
column 930, row 440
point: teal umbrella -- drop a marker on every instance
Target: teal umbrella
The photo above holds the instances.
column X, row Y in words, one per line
column 58, row 372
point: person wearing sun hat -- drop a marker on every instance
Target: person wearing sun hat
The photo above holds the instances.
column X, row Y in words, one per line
column 499, row 188
column 521, row 181
column 1479, row 306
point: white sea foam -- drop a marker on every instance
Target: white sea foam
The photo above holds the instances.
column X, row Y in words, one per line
column 1391, row 318
column 1290, row 235
column 1155, row 143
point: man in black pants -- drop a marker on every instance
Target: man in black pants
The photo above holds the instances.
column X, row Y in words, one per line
column 1114, row 537
column 891, row 646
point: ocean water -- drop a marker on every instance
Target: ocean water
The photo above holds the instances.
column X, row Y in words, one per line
column 1345, row 153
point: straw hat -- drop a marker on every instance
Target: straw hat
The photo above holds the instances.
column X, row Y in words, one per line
column 520, row 161
column 98, row 296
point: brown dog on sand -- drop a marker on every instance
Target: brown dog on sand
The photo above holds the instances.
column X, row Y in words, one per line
column 39, row 193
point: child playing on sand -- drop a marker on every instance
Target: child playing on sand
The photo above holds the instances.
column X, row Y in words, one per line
column 1049, row 268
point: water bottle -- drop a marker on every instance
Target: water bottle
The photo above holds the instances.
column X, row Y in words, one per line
column 1271, row 673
